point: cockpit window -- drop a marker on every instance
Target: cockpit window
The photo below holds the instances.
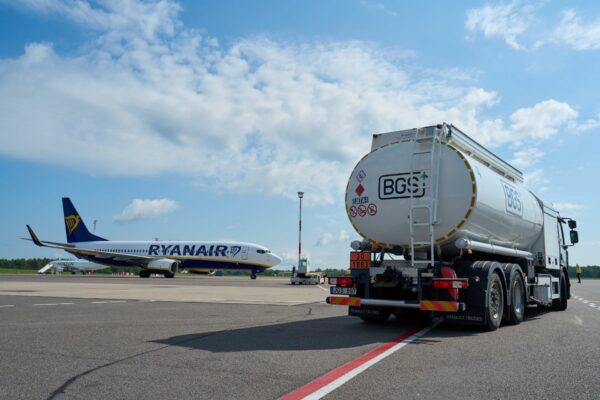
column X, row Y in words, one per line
column 260, row 251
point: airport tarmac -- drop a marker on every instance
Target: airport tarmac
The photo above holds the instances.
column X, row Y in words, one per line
column 204, row 289
column 59, row 345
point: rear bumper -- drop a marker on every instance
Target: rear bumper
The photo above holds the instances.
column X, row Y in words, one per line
column 424, row 305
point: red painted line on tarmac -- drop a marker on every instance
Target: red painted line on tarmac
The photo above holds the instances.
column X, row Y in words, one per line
column 322, row 288
column 317, row 384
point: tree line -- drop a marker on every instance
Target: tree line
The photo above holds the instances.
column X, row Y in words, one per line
column 591, row 271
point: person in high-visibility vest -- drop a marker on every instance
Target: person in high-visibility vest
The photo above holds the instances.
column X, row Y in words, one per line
column 578, row 272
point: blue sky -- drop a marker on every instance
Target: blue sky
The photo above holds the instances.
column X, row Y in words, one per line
column 201, row 120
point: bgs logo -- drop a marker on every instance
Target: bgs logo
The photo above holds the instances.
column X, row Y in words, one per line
column 514, row 205
column 401, row 186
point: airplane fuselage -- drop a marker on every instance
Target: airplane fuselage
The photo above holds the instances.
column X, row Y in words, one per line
column 203, row 255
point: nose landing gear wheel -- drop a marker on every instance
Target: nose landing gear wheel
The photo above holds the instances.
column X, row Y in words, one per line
column 253, row 276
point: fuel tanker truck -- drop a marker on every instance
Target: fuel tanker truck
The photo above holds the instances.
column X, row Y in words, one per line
column 449, row 229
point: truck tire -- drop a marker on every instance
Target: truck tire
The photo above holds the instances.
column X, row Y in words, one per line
column 495, row 302
column 560, row 304
column 516, row 310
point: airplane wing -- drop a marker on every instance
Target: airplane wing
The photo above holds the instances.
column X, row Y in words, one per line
column 70, row 248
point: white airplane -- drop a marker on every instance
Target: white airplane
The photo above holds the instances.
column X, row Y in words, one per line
column 71, row 265
column 164, row 258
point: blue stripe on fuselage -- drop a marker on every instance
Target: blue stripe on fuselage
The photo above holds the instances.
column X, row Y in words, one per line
column 184, row 263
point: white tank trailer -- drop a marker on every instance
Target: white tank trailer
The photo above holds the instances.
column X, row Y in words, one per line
column 448, row 228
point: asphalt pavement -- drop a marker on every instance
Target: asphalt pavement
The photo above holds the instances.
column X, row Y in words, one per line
column 73, row 348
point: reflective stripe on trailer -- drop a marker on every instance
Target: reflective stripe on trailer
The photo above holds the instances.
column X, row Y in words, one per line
column 344, row 301
column 446, row 306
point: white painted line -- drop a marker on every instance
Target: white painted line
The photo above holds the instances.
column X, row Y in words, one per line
column 585, row 301
column 109, row 302
column 321, row 287
column 332, row 380
column 592, row 305
column 46, row 304
column 6, row 305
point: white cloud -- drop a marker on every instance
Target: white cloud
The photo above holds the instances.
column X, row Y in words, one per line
column 527, row 125
column 516, row 24
column 328, row 238
column 536, row 180
column 505, row 21
column 543, row 119
column 145, row 208
column 573, row 32
column 147, row 96
column 527, row 157
column 587, row 125
column 568, row 206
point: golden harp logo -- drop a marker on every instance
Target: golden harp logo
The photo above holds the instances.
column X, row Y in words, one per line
column 72, row 221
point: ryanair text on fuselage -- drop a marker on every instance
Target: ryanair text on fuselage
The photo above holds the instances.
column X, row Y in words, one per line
column 193, row 250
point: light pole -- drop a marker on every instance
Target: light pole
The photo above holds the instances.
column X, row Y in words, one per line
column 300, row 196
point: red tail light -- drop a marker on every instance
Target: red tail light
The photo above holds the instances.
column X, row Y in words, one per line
column 450, row 283
column 342, row 281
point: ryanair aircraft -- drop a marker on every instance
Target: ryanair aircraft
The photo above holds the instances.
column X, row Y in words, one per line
column 158, row 257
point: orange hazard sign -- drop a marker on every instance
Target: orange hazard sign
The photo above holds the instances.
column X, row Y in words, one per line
column 360, row 260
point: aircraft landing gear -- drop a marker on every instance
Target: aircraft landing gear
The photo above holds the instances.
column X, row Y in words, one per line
column 144, row 273
column 253, row 276
column 169, row 275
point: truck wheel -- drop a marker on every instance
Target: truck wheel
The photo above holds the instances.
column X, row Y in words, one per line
column 560, row 304
column 377, row 320
column 495, row 300
column 516, row 311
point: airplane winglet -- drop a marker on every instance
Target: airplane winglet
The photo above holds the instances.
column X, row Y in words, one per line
column 34, row 238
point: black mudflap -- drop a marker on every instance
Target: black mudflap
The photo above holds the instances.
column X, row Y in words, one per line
column 473, row 297
column 474, row 313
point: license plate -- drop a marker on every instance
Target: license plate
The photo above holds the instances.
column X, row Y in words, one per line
column 349, row 291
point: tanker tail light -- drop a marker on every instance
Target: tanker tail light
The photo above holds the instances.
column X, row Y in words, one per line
column 450, row 283
column 341, row 281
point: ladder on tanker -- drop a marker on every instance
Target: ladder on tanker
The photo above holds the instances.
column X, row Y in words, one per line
column 422, row 216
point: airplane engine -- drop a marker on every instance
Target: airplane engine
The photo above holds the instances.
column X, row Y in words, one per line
column 165, row 266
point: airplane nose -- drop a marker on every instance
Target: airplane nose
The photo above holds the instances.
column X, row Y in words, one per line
column 275, row 259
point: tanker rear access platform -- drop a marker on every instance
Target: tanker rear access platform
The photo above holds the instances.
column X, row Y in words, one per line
column 449, row 229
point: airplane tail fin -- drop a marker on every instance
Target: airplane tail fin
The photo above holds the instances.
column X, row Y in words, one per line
column 75, row 228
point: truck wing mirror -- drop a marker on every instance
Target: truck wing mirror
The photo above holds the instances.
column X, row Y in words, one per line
column 574, row 237
column 572, row 224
